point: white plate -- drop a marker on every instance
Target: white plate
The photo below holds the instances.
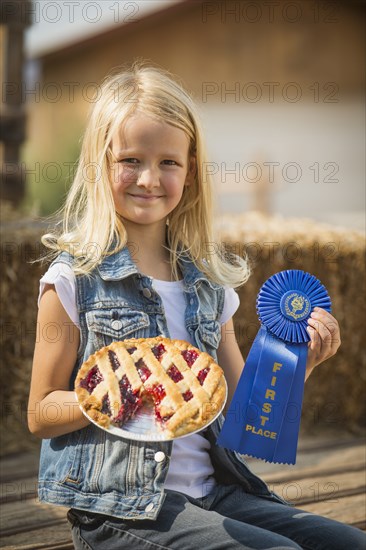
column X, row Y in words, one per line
column 143, row 427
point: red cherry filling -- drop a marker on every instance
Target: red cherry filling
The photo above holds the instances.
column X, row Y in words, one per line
column 174, row 374
column 131, row 350
column 93, row 378
column 113, row 359
column 187, row 395
column 127, row 394
column 131, row 402
column 143, row 370
column 106, row 406
column 157, row 393
column 158, row 351
column 189, row 356
column 202, row 375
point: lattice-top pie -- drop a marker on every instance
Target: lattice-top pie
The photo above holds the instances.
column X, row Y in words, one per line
column 185, row 385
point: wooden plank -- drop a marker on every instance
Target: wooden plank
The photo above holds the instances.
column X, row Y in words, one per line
column 19, row 489
column 27, row 515
column 350, row 510
column 328, row 442
column 320, row 488
column 57, row 537
column 308, row 464
column 18, row 466
column 318, row 470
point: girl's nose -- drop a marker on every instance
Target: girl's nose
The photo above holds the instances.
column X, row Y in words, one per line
column 148, row 177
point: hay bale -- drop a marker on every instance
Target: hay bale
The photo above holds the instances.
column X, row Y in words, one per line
column 20, row 245
column 334, row 392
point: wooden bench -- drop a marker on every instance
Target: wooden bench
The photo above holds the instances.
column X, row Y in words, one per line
column 327, row 479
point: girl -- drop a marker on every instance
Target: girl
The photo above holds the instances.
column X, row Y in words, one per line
column 133, row 260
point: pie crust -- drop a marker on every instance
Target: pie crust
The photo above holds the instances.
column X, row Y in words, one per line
column 186, row 386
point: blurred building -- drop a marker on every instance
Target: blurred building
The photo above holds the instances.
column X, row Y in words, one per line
column 280, row 86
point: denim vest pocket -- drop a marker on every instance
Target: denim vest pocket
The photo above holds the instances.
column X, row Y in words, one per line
column 117, row 323
column 76, row 440
column 66, row 451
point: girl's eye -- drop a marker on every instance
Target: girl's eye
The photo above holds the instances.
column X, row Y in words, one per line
column 129, row 161
column 170, row 162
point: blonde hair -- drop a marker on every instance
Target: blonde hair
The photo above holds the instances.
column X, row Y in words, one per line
column 91, row 228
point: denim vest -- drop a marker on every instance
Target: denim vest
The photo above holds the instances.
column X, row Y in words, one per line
column 93, row 470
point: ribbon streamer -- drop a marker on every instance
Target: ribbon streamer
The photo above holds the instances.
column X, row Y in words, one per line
column 263, row 419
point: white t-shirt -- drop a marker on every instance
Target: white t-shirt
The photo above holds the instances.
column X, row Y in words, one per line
column 190, row 469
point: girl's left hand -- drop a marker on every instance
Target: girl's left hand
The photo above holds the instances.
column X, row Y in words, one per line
column 325, row 337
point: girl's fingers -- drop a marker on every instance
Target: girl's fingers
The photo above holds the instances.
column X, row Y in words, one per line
column 324, row 312
column 326, row 318
column 330, row 323
column 315, row 342
column 324, row 334
column 322, row 330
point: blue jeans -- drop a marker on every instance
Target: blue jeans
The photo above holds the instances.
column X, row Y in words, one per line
column 226, row 519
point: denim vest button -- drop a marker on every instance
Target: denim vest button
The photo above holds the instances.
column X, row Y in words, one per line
column 146, row 292
column 149, row 507
column 116, row 324
column 159, row 456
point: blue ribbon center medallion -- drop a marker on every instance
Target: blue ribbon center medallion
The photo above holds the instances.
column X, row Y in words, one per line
column 295, row 305
column 263, row 418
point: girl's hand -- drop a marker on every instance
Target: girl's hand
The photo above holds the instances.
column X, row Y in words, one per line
column 325, row 337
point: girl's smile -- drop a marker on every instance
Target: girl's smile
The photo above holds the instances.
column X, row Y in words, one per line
column 152, row 166
column 145, row 197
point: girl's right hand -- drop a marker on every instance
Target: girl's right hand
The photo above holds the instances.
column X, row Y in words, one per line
column 52, row 407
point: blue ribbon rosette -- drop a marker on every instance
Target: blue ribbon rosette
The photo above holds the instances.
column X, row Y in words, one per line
column 263, row 418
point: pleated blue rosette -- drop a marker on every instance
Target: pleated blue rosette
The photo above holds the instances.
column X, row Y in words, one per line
column 263, row 418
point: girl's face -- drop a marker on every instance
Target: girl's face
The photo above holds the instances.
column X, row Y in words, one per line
column 152, row 166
